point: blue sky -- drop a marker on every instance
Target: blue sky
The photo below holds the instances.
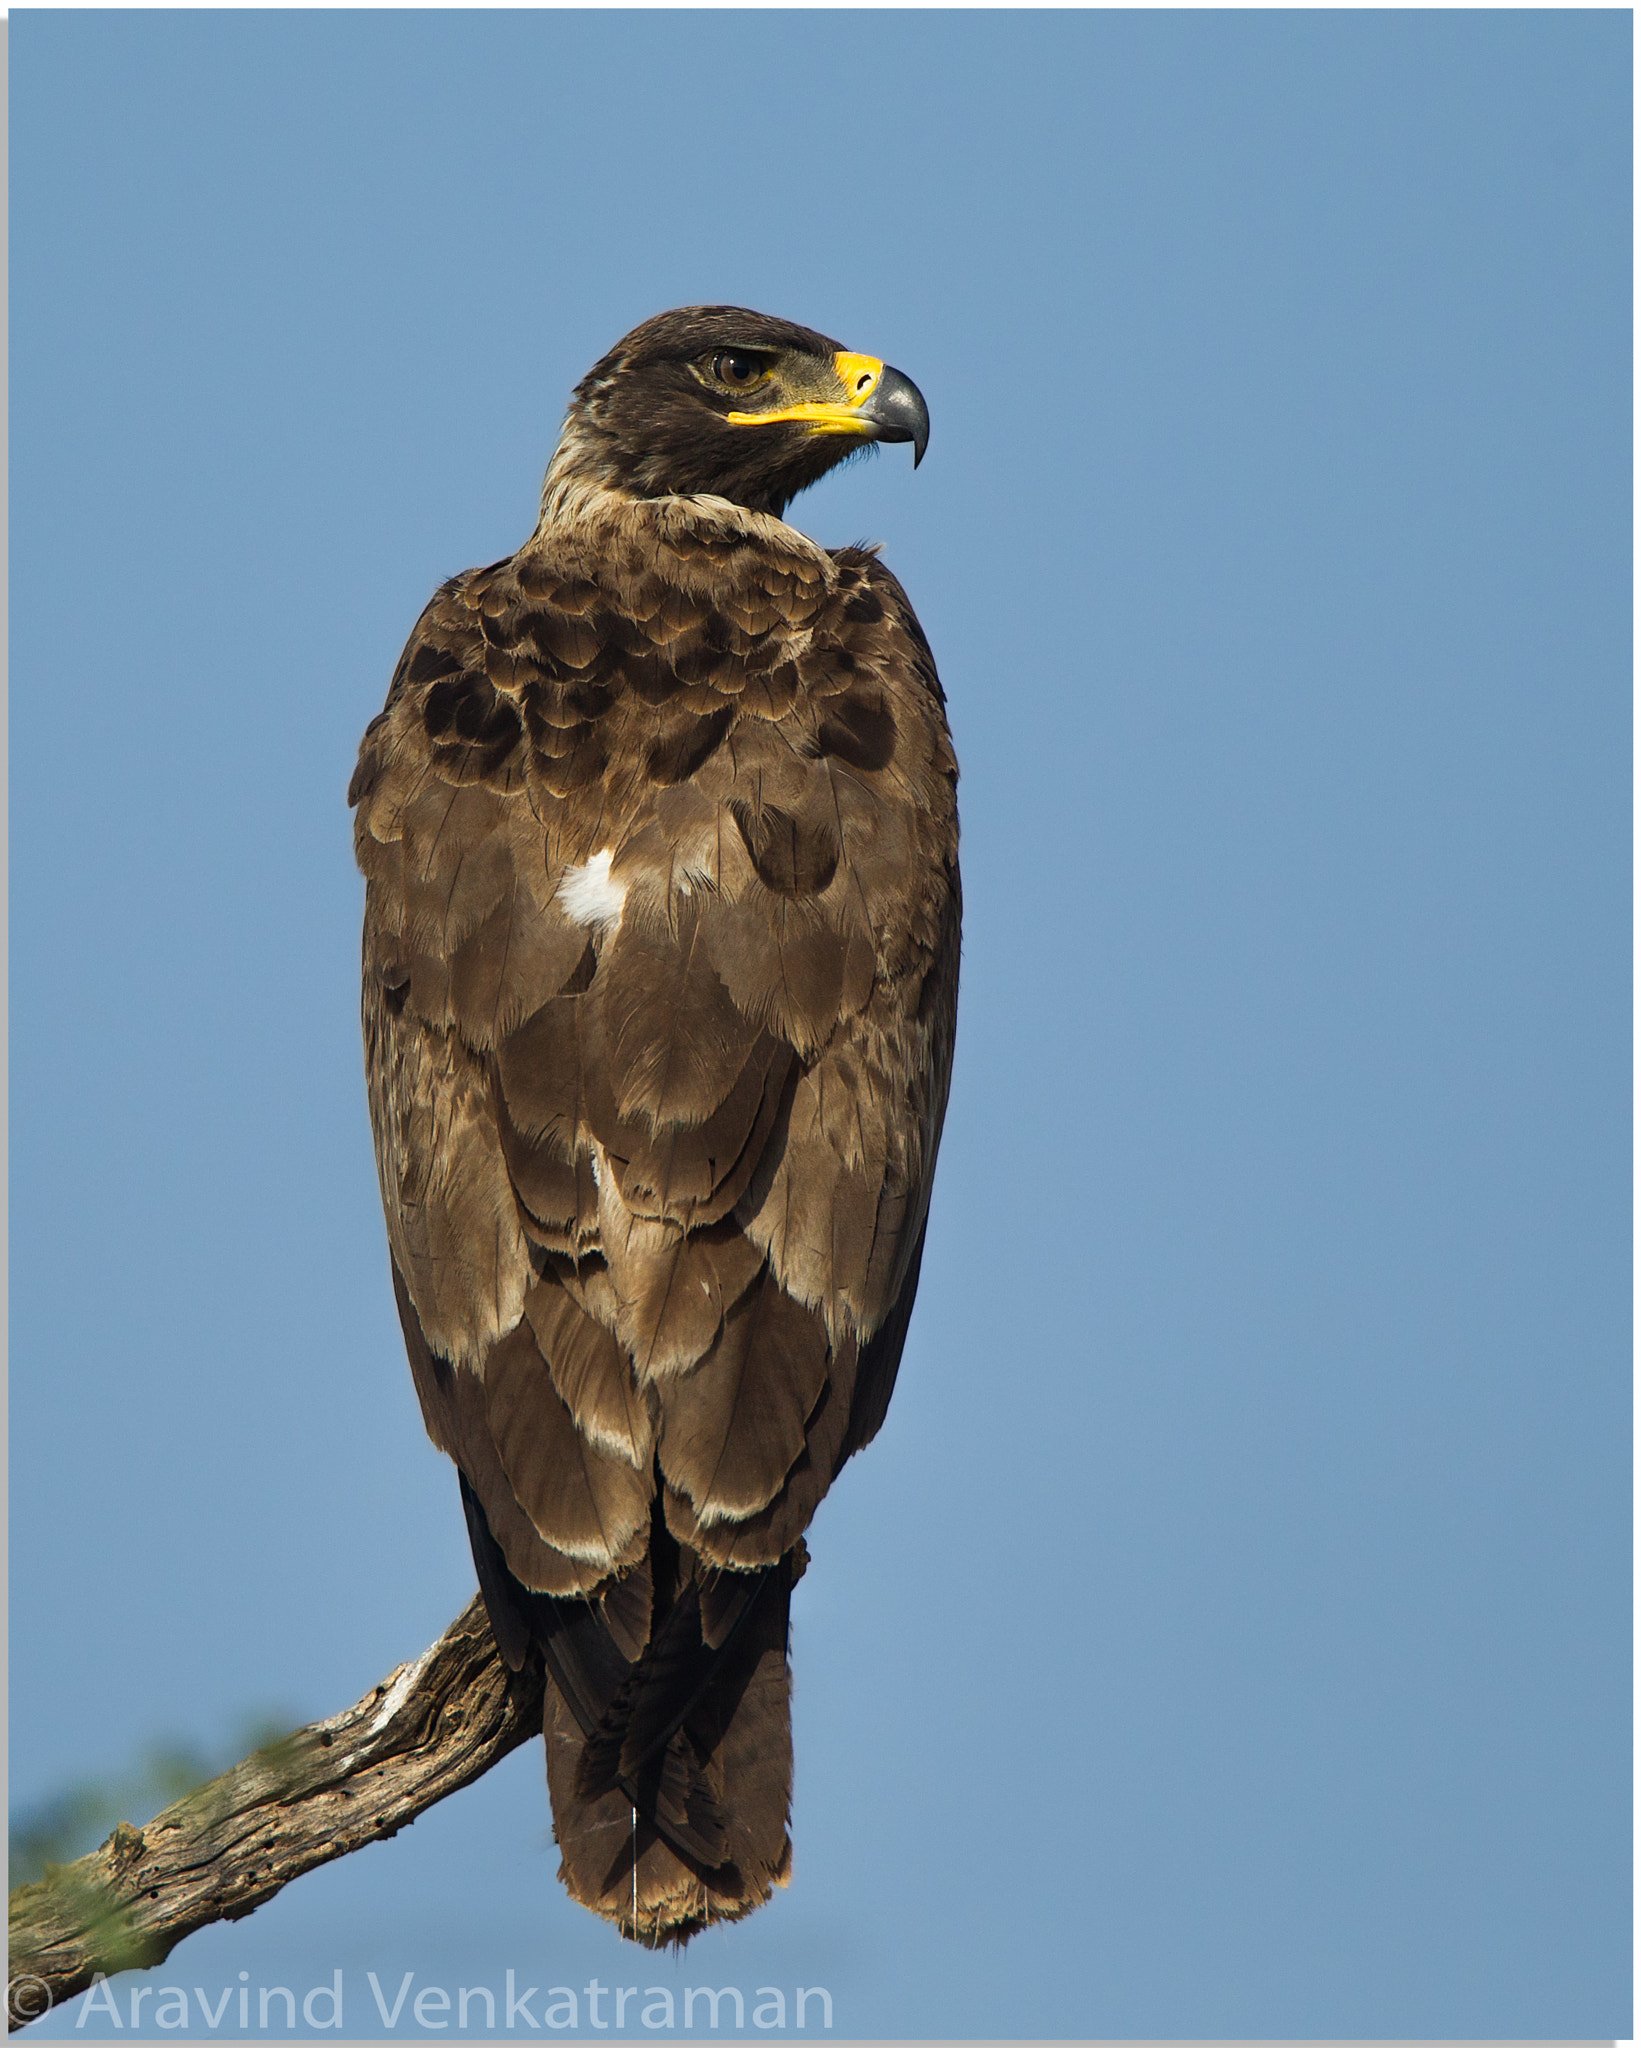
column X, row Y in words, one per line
column 1228, row 1633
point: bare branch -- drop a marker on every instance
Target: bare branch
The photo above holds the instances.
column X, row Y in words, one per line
column 428, row 1729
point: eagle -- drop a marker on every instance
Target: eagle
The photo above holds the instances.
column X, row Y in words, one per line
column 658, row 827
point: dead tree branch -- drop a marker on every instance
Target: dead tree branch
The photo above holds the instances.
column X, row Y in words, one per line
column 424, row 1732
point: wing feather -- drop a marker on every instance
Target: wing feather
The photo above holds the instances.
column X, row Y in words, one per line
column 656, row 1179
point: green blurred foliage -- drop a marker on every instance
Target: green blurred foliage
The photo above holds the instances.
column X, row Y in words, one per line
column 73, row 1821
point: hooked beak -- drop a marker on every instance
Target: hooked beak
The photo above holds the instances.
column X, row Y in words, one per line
column 896, row 409
column 871, row 400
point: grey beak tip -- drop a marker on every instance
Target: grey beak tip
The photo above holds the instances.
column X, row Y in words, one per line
column 897, row 410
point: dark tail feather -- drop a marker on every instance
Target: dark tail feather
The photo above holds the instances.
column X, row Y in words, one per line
column 504, row 1597
column 676, row 1667
column 699, row 1832
column 670, row 1773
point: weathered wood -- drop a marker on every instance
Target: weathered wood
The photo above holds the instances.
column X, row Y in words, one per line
column 431, row 1727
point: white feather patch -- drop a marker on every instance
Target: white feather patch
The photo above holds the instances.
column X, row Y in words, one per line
column 588, row 893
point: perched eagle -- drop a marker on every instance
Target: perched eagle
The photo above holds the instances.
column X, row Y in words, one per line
column 659, row 831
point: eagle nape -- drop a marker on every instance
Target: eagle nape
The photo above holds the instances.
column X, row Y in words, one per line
column 659, row 833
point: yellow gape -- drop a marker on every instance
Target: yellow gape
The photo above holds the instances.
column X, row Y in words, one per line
column 858, row 377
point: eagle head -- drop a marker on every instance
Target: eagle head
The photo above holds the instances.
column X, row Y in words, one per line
column 718, row 399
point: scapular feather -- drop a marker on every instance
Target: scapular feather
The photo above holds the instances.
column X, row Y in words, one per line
column 733, row 1428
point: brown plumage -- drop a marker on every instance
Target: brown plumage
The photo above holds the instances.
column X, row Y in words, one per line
column 659, row 833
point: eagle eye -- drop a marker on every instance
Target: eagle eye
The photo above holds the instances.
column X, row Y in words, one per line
column 737, row 369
